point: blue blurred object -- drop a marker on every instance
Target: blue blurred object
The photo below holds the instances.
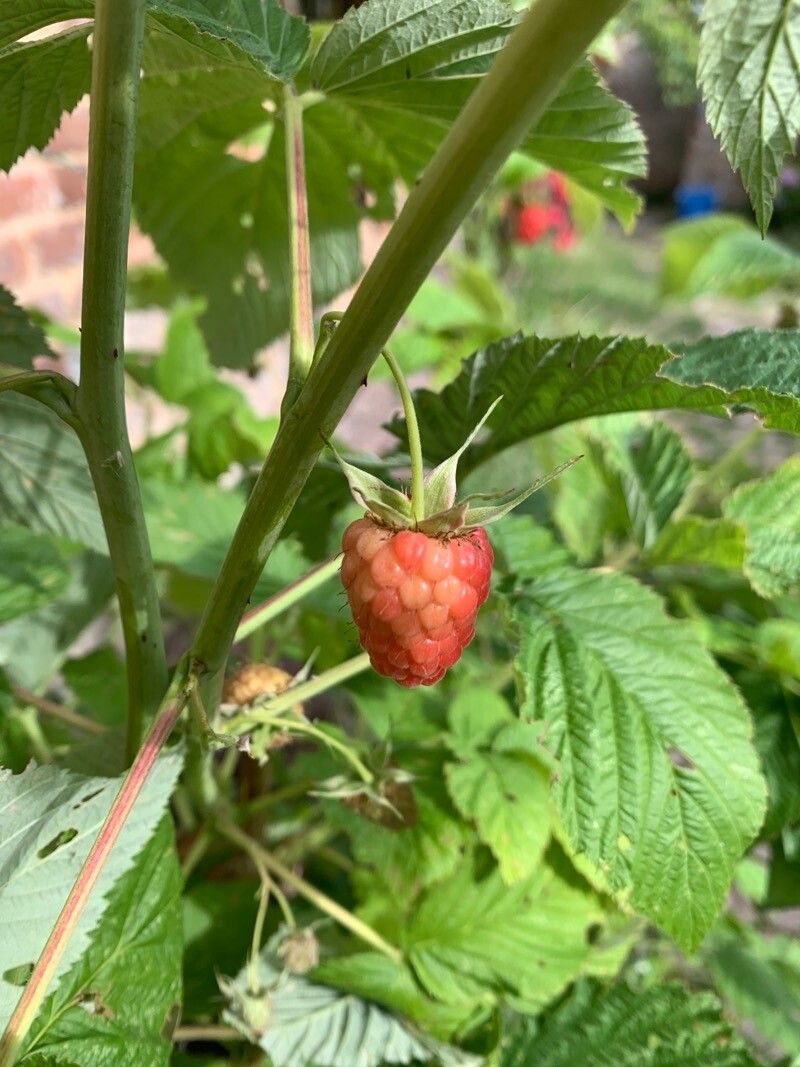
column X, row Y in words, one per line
column 693, row 201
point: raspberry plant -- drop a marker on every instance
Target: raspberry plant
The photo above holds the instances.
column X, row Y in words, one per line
column 255, row 849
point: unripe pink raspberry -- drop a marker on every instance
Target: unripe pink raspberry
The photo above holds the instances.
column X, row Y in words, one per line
column 414, row 597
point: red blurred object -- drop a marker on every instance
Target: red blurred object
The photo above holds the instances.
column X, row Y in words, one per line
column 535, row 221
column 546, row 217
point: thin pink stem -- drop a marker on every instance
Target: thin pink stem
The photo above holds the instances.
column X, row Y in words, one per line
column 46, row 966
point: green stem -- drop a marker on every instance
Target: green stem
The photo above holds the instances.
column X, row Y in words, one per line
column 287, row 598
column 311, row 893
column 71, row 913
column 414, row 441
column 57, row 711
column 541, row 52
column 100, row 402
column 301, row 327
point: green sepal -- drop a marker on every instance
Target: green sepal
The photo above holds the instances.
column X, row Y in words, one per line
column 440, row 484
column 483, row 516
column 389, row 505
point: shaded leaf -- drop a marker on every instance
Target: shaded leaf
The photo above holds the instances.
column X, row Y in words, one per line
column 44, row 480
column 19, row 17
column 656, row 472
column 20, row 339
column 277, row 40
column 40, row 81
column 210, row 185
column 760, row 982
column 32, row 648
column 33, row 571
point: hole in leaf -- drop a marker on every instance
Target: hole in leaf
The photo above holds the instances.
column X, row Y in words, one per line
column 679, row 759
column 92, row 1004
column 593, row 932
column 86, row 799
column 18, row 976
column 60, row 839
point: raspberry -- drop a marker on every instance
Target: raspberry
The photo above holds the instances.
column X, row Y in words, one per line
column 413, row 597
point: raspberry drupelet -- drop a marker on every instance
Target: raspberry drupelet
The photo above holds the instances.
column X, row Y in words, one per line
column 414, row 598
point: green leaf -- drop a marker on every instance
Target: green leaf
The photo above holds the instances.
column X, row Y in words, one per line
column 724, row 255
column 184, row 365
column 217, row 925
column 49, row 818
column 760, row 981
column 779, row 750
column 756, row 368
column 750, row 77
column 99, row 683
column 658, row 787
column 547, row 383
column 663, row 1026
column 373, row 976
column 19, row 17
column 191, row 526
column 33, row 571
column 700, row 542
column 656, row 471
column 297, row 1022
column 276, row 40
column 44, row 480
column 498, row 782
column 210, row 186
column 20, row 339
column 410, row 858
column 777, row 642
column 685, row 245
column 526, row 550
column 116, row 1004
column 769, row 510
column 41, row 81
column 32, row 648
column 472, row 935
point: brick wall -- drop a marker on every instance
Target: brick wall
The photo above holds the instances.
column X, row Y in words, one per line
column 42, row 209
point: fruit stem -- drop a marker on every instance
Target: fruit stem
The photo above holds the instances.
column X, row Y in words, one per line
column 296, row 694
column 287, row 598
column 414, row 441
column 301, row 330
column 311, row 893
